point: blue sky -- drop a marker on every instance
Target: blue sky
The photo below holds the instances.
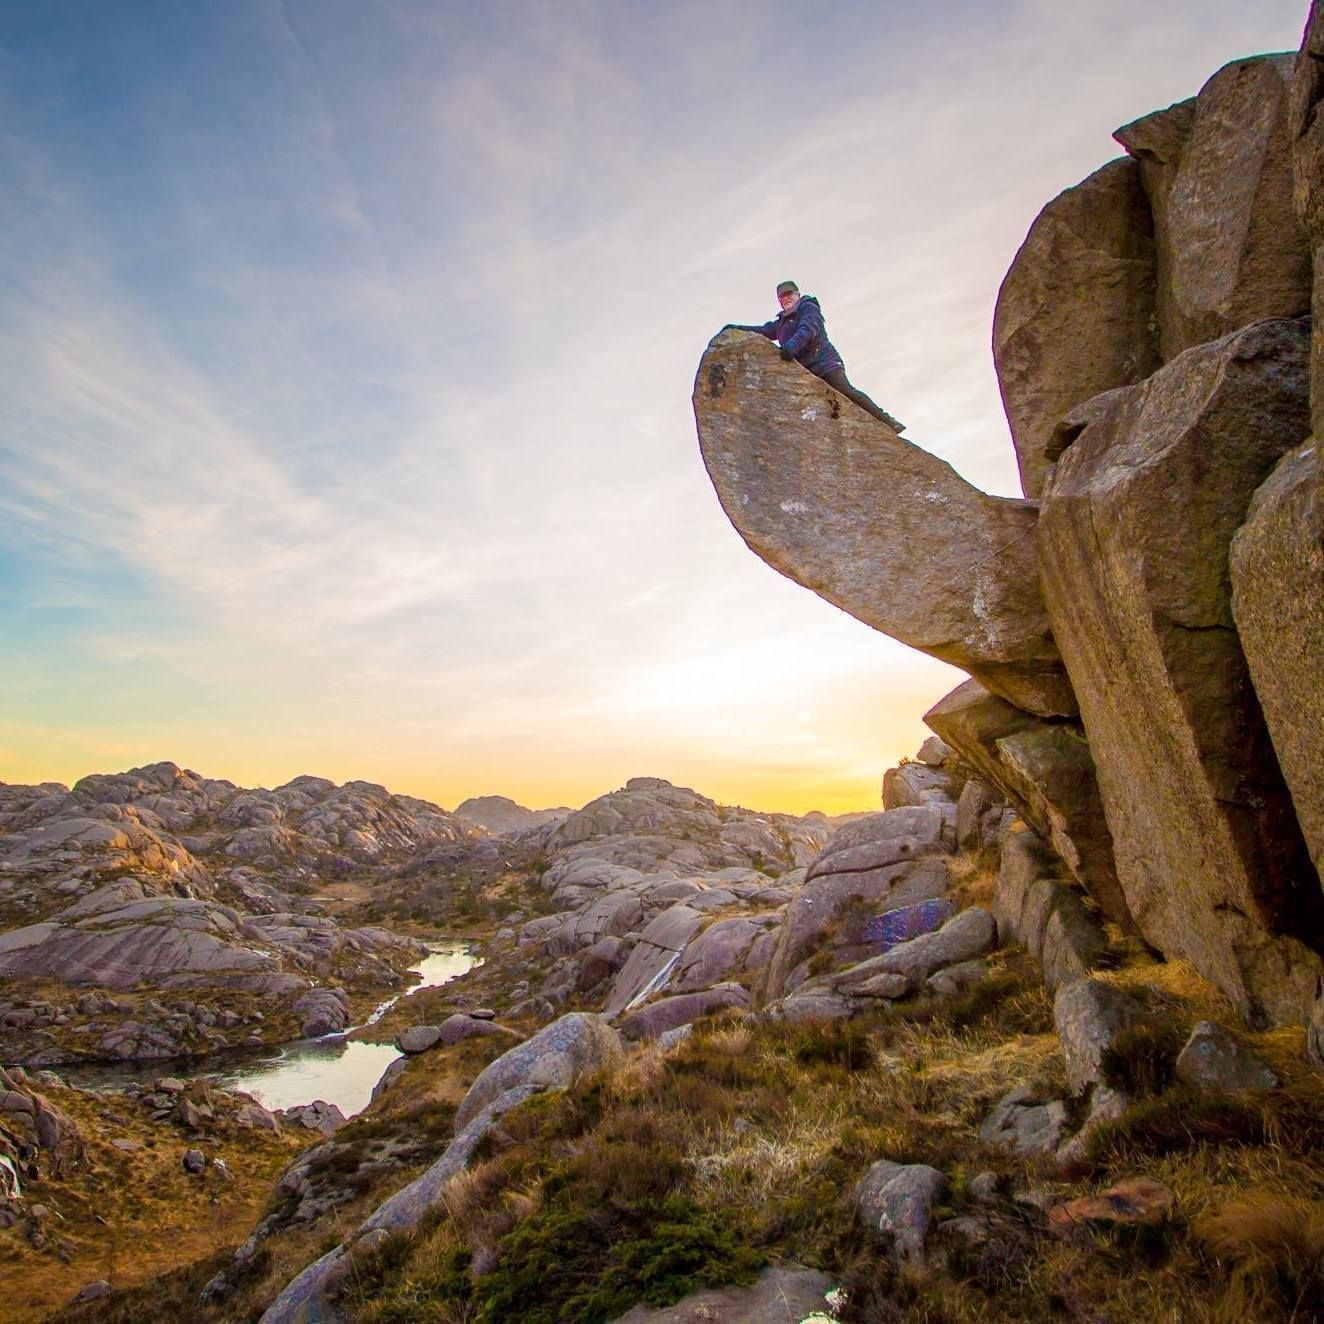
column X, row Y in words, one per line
column 346, row 348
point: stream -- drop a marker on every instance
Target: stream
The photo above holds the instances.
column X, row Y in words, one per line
column 333, row 1068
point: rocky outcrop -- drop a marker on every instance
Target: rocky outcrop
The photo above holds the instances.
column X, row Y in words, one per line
column 1135, row 525
column 552, row 1059
column 1046, row 771
column 837, row 912
column 1075, row 314
column 1035, row 909
column 1277, row 565
column 654, row 958
column 1219, row 177
column 501, row 815
column 838, row 502
column 191, row 885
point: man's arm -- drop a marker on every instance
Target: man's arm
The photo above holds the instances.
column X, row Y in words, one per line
column 768, row 329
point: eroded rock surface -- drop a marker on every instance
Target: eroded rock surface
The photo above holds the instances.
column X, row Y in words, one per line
column 1219, row 176
column 1135, row 525
column 835, row 500
column 1075, row 314
column 1277, row 565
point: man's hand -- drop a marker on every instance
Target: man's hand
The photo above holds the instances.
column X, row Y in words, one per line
column 786, row 354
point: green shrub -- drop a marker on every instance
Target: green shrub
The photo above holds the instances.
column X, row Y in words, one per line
column 591, row 1265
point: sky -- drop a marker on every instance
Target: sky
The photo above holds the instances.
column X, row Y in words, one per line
column 346, row 349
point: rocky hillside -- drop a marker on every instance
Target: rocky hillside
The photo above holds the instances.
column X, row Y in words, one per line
column 155, row 913
column 1143, row 630
column 904, row 1071
column 501, row 815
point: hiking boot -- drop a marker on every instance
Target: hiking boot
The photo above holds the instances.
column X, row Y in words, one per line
column 896, row 427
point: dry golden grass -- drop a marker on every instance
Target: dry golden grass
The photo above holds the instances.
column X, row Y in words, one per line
column 765, row 1128
column 132, row 1216
column 974, row 877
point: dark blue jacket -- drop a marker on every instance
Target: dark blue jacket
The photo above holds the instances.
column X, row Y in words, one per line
column 803, row 333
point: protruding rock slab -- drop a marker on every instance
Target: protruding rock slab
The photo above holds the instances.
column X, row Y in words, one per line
column 1045, row 770
column 836, row 501
column 1278, row 601
column 1135, row 524
column 1230, row 248
column 1075, row 314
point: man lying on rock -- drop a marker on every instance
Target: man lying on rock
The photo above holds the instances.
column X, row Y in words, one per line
column 800, row 332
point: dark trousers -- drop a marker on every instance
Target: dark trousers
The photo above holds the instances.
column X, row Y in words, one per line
column 838, row 381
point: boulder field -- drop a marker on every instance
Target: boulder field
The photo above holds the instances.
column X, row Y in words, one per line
column 1143, row 630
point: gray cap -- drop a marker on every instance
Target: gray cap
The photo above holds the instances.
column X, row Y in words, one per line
column 787, row 287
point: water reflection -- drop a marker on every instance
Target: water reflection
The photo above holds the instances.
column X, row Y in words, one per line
column 338, row 1070
column 335, row 1068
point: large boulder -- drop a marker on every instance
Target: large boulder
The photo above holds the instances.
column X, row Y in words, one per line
column 1075, row 314
column 1277, row 565
column 838, row 912
column 1046, row 771
column 835, row 500
column 552, row 1059
column 727, row 948
column 658, row 1017
column 1230, row 248
column 1135, row 524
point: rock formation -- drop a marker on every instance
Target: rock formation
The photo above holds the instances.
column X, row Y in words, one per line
column 1145, row 641
column 501, row 815
column 1207, row 846
column 1075, row 314
column 1218, row 171
column 1277, row 566
column 835, row 500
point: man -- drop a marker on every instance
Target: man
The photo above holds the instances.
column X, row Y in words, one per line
column 800, row 332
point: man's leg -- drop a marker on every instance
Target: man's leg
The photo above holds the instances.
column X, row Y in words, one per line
column 839, row 382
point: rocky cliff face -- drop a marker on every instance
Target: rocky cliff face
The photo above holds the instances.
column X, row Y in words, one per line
column 1145, row 630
